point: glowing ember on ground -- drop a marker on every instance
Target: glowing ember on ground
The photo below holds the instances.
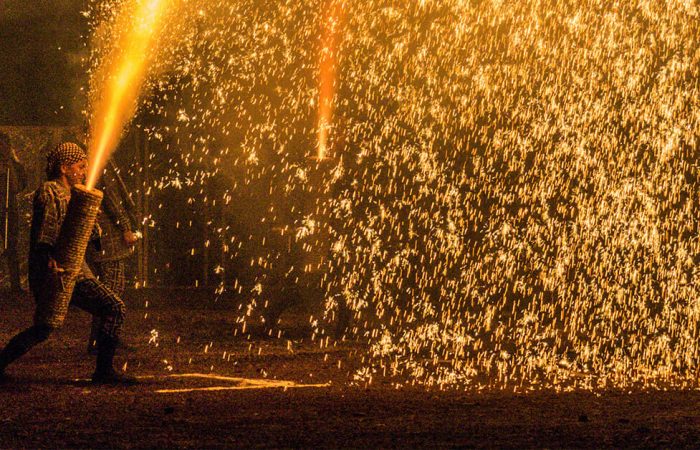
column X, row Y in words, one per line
column 237, row 384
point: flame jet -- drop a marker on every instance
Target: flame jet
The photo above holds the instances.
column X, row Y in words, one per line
column 327, row 74
column 125, row 68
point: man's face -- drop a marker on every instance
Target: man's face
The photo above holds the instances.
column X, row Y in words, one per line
column 76, row 173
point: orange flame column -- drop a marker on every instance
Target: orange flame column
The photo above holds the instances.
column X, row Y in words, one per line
column 327, row 73
column 125, row 69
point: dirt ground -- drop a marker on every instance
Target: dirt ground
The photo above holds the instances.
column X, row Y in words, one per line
column 204, row 387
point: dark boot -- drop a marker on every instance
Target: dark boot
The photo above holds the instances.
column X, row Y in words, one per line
column 104, row 372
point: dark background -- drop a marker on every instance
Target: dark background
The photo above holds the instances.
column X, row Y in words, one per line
column 41, row 73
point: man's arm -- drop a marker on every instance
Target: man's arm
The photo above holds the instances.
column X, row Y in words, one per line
column 117, row 214
column 46, row 219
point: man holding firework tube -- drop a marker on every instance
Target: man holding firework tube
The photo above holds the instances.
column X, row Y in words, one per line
column 66, row 167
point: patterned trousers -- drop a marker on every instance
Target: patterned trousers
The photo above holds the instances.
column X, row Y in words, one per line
column 106, row 307
column 89, row 295
column 111, row 276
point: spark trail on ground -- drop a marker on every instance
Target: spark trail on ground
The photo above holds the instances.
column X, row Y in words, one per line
column 514, row 203
column 235, row 384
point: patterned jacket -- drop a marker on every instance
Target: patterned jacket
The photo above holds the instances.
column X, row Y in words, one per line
column 49, row 211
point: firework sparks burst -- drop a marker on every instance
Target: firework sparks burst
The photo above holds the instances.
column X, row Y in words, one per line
column 514, row 199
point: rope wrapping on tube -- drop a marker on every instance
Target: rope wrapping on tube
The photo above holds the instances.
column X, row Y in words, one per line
column 70, row 247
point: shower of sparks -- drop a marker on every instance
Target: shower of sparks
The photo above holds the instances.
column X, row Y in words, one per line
column 514, row 203
column 327, row 74
column 124, row 71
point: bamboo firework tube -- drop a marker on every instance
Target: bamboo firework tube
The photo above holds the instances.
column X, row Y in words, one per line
column 71, row 244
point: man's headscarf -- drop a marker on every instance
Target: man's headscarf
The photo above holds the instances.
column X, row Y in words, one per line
column 66, row 153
